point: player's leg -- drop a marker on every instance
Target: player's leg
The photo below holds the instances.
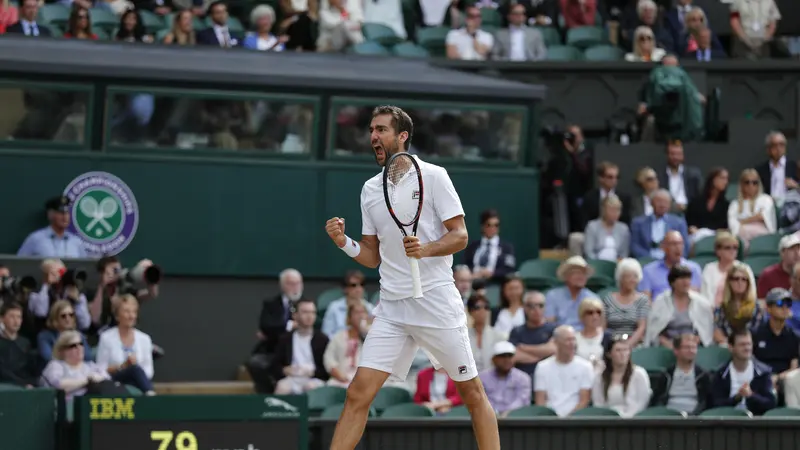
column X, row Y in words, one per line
column 387, row 350
column 452, row 351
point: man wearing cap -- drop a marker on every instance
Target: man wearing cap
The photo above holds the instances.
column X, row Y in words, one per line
column 507, row 387
column 775, row 344
column 54, row 241
column 654, row 274
column 778, row 275
column 561, row 303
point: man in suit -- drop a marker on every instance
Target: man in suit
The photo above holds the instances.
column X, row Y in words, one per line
column 683, row 182
column 674, row 19
column 518, row 42
column 778, row 172
column 27, row 21
column 490, row 258
column 705, row 50
column 647, row 232
column 219, row 34
column 298, row 364
column 607, row 178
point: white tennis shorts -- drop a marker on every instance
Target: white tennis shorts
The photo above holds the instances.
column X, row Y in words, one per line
column 391, row 346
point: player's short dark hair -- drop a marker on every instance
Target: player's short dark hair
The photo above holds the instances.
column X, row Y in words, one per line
column 488, row 215
column 103, row 262
column 8, row 306
column 401, row 121
column 737, row 333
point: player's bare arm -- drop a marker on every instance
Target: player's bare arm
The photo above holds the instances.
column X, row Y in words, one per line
column 367, row 253
column 454, row 241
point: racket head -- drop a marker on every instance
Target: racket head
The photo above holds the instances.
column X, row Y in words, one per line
column 403, row 190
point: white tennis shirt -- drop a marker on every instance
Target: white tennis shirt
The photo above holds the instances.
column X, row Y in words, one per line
column 440, row 203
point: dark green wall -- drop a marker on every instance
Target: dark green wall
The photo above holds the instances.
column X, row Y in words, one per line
column 246, row 218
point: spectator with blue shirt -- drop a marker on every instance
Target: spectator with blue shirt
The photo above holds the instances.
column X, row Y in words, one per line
column 648, row 231
column 654, row 279
column 562, row 303
column 54, row 241
column 335, row 319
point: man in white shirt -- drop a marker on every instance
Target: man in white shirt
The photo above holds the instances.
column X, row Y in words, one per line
column 470, row 42
column 563, row 382
column 436, row 322
column 778, row 172
column 683, row 181
column 745, row 382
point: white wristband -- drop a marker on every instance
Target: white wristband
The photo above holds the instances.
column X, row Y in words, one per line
column 351, row 248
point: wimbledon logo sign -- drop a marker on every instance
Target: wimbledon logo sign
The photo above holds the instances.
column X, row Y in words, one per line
column 105, row 214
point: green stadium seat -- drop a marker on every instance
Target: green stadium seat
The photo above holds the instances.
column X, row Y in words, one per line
column 409, row 50
column 407, row 410
column 539, row 274
column 759, row 263
column 389, row 396
column 334, row 411
column 234, row 25
column 152, row 22
column 726, row 411
column 585, row 37
column 55, row 31
column 370, row 49
column 458, row 411
column 433, row 39
column 380, row 33
column 703, row 260
column 604, row 53
column 603, row 267
column 653, row 358
column 53, row 14
column 563, row 53
column 325, row 396
column 493, row 295
column 490, row 17
column 766, row 245
column 103, row 19
column 597, row 283
column 327, row 297
column 550, row 35
column 661, row 411
column 705, row 247
column 10, row 387
column 133, row 390
column 783, row 412
column 532, row 411
column 711, row 358
column 594, row 411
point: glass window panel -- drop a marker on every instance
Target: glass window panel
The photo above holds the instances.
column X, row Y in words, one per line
column 43, row 113
column 210, row 121
column 471, row 134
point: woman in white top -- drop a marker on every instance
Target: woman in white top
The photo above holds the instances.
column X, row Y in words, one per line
column 644, row 47
column 679, row 311
column 344, row 349
column 126, row 351
column 68, row 371
column 511, row 314
column 482, row 336
column 726, row 247
column 623, row 386
column 589, row 341
column 752, row 214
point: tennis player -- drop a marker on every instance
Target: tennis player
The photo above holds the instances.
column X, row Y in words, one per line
column 402, row 324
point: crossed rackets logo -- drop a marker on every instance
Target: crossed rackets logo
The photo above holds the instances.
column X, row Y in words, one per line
column 97, row 214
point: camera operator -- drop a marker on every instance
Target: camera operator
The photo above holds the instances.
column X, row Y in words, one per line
column 115, row 282
column 57, row 284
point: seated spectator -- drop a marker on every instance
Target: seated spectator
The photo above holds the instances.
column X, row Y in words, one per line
column 647, row 12
column 752, row 214
column 511, row 313
column 52, row 289
column 684, row 181
column 789, row 218
column 707, row 213
column 726, row 247
column 490, row 258
column 298, row 362
column 299, row 22
column 739, row 308
column 704, row 46
column 590, row 340
column 339, row 25
column 182, row 32
column 607, row 184
column 218, row 34
column 27, row 21
column 69, row 370
column 745, row 382
column 753, row 26
column 344, row 349
column 470, row 42
column 622, row 386
column 777, row 345
column 60, row 320
column 54, row 241
column 793, row 321
column 263, row 17
column 687, row 385
column 563, row 302
column 18, row 363
column 644, row 47
column 126, row 351
column 131, row 28
column 463, row 278
column 335, row 318
column 435, row 390
column 778, row 274
column 482, row 336
column 534, row 339
column 563, row 382
column 626, row 309
column 79, row 26
column 679, row 18
column 778, row 173
column 695, row 20
column 647, row 182
column 276, row 312
column 607, row 238
column 386, row 12
column 509, row 47
column 507, row 387
column 578, row 13
column 656, row 273
column 647, row 232
column 679, row 311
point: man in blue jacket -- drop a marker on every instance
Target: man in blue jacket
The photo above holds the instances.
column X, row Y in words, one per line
column 745, row 382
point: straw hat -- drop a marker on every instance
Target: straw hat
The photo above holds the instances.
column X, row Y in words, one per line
column 571, row 263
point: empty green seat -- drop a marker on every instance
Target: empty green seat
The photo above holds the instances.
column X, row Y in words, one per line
column 705, row 247
column 490, row 17
column 458, row 411
column 407, row 410
column 380, row 33
column 766, row 245
column 53, row 14
column 550, row 35
column 433, row 39
column 370, row 48
column 152, row 22
column 409, row 50
column 759, row 263
column 563, row 53
column 493, row 295
column 389, row 396
column 325, row 396
column 334, row 411
column 604, row 53
column 585, row 37
column 327, row 297
column 539, row 274
column 661, row 411
column 595, row 411
column 603, row 267
column 653, row 358
column 783, row 412
column 712, row 358
column 532, row 411
column 104, row 19
column 726, row 411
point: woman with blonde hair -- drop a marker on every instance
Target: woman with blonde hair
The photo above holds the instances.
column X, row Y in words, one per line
column 644, row 47
column 752, row 214
column 726, row 247
column 589, row 341
column 626, row 309
column 182, row 32
column 68, row 370
column 739, row 309
column 60, row 319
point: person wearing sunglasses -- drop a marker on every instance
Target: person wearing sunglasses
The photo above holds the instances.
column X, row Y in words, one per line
column 70, row 370
column 644, row 47
column 775, row 344
column 739, row 307
column 335, row 319
column 60, row 320
column 726, row 247
column 752, row 214
column 591, row 338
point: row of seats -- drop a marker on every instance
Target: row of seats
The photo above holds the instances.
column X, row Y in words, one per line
column 658, row 359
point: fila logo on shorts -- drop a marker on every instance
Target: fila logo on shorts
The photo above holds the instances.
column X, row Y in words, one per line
column 462, row 370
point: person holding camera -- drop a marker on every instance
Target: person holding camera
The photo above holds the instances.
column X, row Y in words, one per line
column 54, row 241
column 57, row 285
column 141, row 281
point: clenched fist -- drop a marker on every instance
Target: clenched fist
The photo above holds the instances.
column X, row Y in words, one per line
column 335, row 229
column 413, row 247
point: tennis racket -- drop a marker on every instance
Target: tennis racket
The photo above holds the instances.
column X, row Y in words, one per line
column 402, row 190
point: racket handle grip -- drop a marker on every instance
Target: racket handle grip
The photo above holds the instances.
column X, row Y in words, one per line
column 415, row 278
